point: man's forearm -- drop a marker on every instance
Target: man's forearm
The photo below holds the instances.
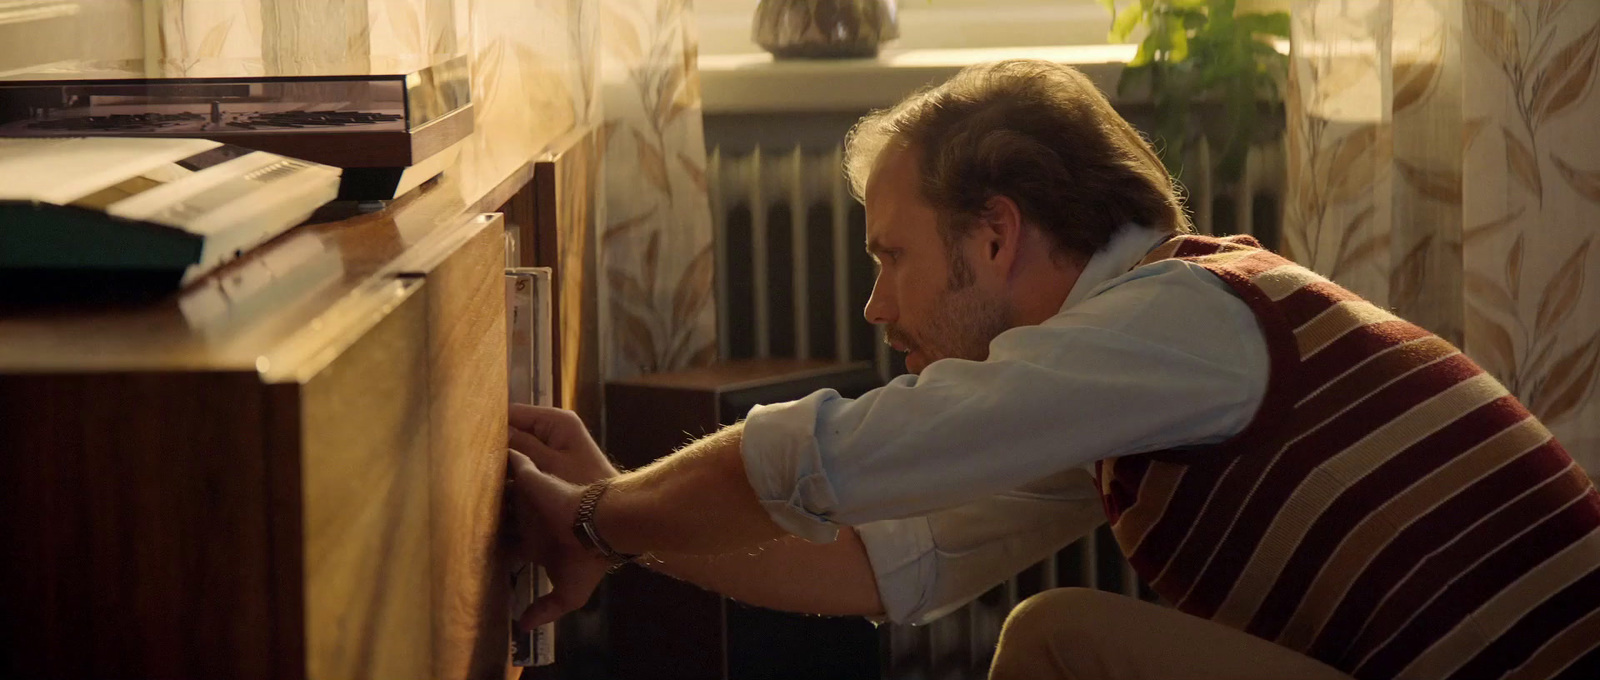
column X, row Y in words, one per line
column 789, row 574
column 696, row 501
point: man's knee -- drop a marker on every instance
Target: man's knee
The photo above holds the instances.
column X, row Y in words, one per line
column 1058, row 614
column 1054, row 635
column 1059, row 610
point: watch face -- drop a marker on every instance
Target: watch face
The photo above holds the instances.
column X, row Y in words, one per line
column 589, row 537
column 585, row 534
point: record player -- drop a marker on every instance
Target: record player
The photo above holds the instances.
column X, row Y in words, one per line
column 390, row 132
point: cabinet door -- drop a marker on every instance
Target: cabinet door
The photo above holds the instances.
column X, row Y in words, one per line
column 365, row 484
column 403, row 468
column 466, row 336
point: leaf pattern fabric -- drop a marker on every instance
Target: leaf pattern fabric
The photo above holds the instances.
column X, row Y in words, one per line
column 1442, row 164
column 656, row 246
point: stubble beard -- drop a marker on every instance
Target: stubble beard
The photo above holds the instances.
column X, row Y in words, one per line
column 963, row 323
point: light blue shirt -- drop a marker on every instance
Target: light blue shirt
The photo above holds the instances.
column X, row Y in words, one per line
column 960, row 477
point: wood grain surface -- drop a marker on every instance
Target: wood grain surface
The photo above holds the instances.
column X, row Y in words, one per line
column 134, row 530
column 466, row 337
column 365, row 478
column 565, row 238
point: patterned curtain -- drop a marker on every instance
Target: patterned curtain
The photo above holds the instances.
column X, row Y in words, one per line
column 196, row 38
column 1443, row 163
column 656, row 251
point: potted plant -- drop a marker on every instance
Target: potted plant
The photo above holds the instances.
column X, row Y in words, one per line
column 1203, row 51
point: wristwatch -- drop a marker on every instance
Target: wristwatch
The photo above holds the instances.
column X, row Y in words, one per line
column 583, row 527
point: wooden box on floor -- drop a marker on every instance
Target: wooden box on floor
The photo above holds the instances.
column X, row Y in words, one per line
column 663, row 629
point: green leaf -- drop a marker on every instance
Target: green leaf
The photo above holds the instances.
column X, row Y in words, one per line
column 1145, row 54
column 1276, row 23
column 1188, row 4
column 1212, row 72
column 1222, row 14
column 1110, row 5
column 1157, row 35
column 1177, row 42
column 1127, row 20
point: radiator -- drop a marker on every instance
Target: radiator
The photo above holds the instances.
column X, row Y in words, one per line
column 792, row 274
column 792, row 278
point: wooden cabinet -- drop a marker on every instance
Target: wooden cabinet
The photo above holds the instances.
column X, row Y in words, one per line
column 293, row 470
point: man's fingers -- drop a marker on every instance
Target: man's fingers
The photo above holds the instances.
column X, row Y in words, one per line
column 557, row 427
column 518, row 463
column 532, row 418
column 528, row 479
column 543, row 610
column 525, row 475
column 554, row 605
column 541, row 453
column 515, row 462
column 573, row 578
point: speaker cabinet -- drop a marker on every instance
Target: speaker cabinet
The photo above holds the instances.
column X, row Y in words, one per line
column 665, row 629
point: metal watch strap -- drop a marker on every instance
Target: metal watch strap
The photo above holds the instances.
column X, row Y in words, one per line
column 583, row 526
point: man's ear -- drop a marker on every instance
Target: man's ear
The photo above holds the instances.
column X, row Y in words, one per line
column 1002, row 229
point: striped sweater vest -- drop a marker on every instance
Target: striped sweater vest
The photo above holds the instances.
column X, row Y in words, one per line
column 1391, row 510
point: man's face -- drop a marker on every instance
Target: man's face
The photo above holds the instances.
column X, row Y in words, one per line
column 928, row 297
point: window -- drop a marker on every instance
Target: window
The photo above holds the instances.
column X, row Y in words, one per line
column 725, row 24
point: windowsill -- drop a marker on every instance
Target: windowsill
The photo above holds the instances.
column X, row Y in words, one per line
column 755, row 83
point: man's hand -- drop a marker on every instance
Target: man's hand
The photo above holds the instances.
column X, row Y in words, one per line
column 543, row 508
column 558, row 443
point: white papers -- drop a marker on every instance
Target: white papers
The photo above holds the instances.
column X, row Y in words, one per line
column 61, row 171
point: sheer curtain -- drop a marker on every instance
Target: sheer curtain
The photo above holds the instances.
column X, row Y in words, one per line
column 656, row 256
column 1444, row 161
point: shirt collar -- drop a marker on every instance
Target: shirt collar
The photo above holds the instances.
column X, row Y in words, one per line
column 1127, row 248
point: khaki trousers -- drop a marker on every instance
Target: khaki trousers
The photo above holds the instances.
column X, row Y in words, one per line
column 1082, row 634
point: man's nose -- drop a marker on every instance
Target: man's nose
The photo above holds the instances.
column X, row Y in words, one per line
column 880, row 307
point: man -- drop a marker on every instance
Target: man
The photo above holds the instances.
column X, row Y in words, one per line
column 1318, row 488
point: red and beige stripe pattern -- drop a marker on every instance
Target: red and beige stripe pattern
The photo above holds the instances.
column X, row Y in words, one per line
column 1391, row 510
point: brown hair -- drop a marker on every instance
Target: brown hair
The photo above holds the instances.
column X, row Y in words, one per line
column 1036, row 132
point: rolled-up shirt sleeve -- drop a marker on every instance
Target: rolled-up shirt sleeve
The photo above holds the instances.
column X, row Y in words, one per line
column 930, row 565
column 788, row 474
column 1166, row 358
